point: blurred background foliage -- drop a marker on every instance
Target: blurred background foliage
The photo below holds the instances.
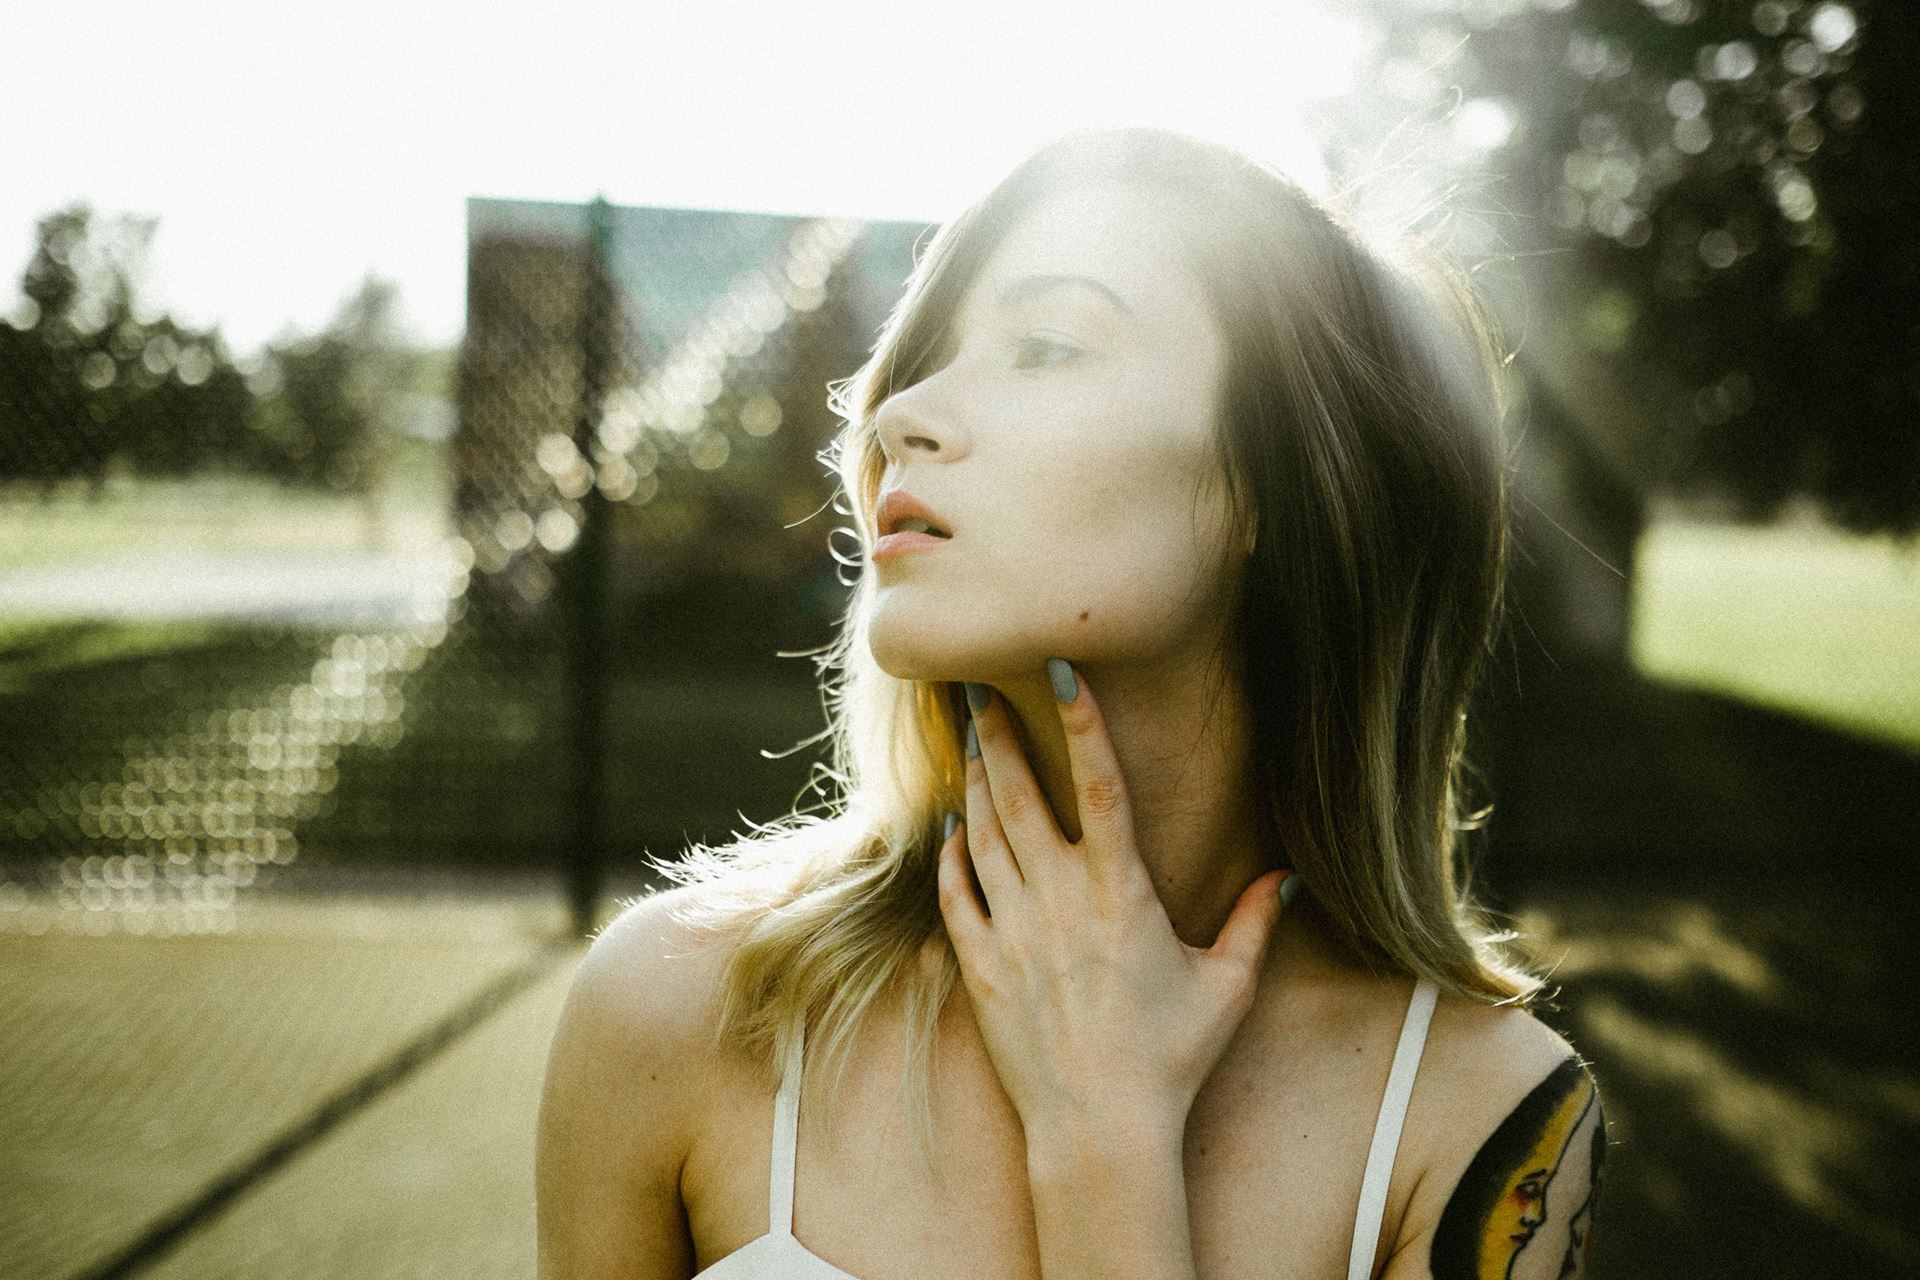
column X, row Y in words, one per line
column 1735, row 183
column 101, row 384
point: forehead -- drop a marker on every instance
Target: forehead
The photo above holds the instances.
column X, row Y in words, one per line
column 1116, row 233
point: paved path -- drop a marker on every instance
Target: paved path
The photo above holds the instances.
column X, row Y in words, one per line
column 342, row 1086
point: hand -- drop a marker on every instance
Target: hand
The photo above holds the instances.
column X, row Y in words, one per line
column 1093, row 1010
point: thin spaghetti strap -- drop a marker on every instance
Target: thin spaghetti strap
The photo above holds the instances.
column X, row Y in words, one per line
column 1386, row 1130
column 786, row 1114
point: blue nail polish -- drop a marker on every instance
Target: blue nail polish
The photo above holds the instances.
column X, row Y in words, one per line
column 973, row 741
column 977, row 695
column 1065, row 687
column 1290, row 888
column 953, row 820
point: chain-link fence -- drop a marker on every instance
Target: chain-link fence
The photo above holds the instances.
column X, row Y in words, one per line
column 585, row 667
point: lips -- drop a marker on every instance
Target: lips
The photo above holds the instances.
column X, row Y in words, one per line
column 898, row 508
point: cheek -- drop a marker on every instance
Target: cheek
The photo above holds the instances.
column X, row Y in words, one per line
column 1138, row 554
column 1144, row 590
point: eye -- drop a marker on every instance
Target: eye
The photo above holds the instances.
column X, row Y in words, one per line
column 1040, row 343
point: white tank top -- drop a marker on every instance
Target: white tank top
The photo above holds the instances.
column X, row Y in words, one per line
column 779, row 1255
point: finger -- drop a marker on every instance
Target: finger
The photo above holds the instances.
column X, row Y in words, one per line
column 1099, row 788
column 960, row 905
column 993, row 859
column 1018, row 803
column 1243, row 939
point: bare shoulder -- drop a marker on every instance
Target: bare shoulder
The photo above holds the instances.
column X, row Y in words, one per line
column 1484, row 1058
column 623, row 1095
column 1511, row 1143
column 644, row 994
column 653, row 973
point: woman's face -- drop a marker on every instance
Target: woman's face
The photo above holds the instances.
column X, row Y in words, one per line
column 1066, row 445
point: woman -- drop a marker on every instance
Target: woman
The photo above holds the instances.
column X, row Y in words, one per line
column 1185, row 513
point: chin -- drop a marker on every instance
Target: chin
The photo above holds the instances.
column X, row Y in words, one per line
column 921, row 652
column 906, row 653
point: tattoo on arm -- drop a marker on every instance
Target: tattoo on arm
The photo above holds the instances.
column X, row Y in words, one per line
column 1502, row 1201
column 1580, row 1230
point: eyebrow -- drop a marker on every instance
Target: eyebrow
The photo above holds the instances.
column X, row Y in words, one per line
column 1030, row 286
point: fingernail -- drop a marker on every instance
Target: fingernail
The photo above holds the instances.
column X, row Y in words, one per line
column 977, row 695
column 1290, row 888
column 973, row 741
column 1065, row 687
column 953, row 820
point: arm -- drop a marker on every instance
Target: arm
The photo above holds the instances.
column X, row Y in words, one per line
column 1522, row 1202
column 614, row 1128
column 1111, row 1201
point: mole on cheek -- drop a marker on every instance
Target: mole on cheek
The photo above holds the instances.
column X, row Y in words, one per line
column 1084, row 613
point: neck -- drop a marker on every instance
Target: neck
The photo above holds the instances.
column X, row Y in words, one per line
column 1186, row 754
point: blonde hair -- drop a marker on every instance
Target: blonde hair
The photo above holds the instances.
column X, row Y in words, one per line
column 1358, row 423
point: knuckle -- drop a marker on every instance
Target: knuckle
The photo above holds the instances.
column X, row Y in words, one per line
column 1015, row 803
column 1103, row 796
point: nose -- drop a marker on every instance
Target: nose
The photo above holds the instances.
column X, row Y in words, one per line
column 917, row 421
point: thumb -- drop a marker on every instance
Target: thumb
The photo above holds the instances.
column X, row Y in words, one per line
column 1244, row 936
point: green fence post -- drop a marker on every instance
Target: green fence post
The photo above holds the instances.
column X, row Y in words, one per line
column 585, row 573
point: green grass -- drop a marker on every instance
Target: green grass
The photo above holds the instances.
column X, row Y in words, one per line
column 408, row 506
column 32, row 648
column 1798, row 617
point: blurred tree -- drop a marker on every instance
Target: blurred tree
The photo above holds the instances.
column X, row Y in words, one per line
column 332, row 402
column 87, row 376
column 90, row 379
column 1737, row 187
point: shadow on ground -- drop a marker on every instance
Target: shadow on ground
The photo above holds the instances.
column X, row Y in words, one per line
column 1728, row 894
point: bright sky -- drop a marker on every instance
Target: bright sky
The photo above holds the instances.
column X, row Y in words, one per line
column 289, row 148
